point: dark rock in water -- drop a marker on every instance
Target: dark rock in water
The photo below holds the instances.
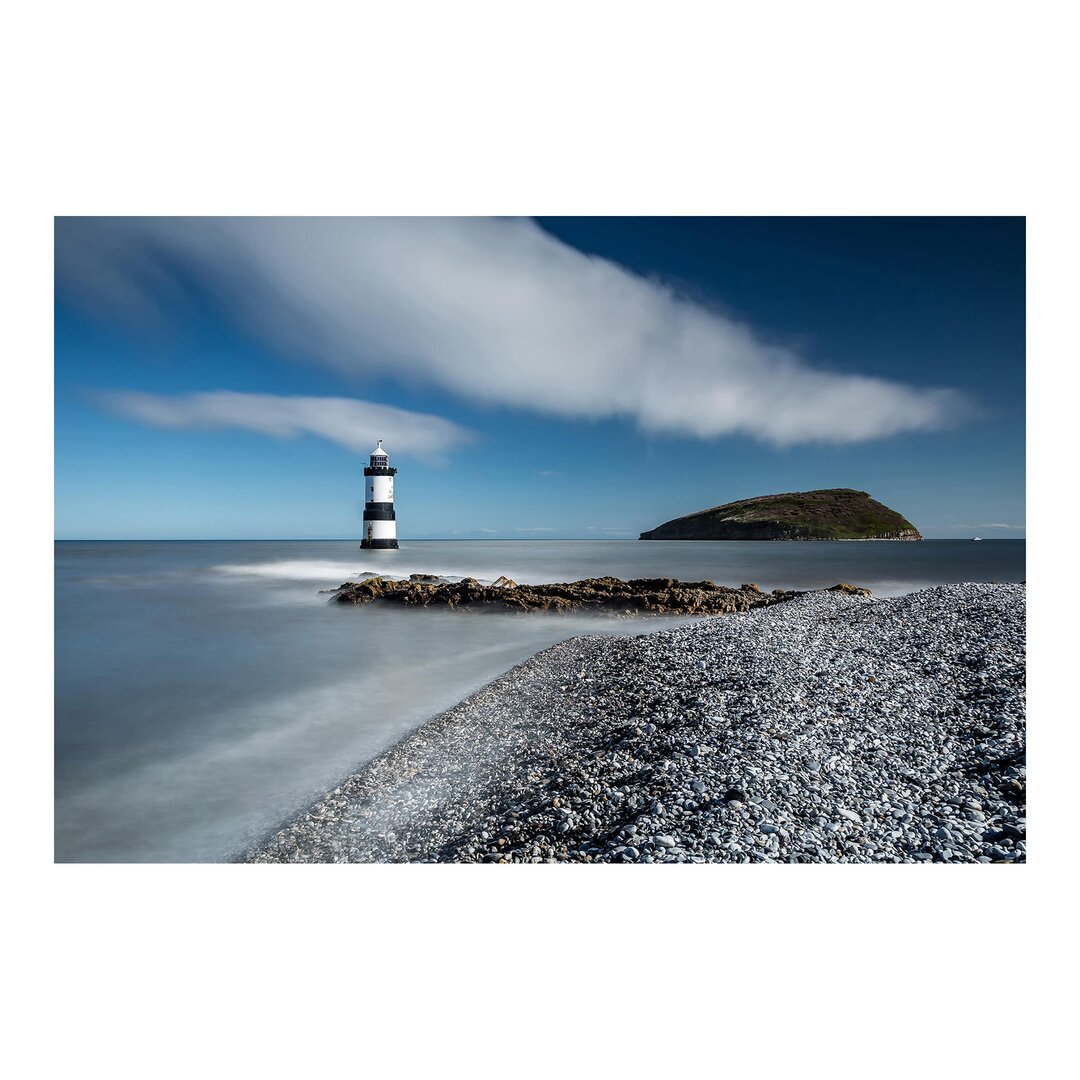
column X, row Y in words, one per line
column 638, row 596
column 829, row 514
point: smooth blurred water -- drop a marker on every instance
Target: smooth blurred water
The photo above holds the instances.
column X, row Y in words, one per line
column 206, row 690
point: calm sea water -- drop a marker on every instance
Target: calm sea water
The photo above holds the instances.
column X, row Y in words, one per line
column 206, row 690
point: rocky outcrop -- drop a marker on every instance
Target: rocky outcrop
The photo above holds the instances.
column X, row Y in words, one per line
column 639, row 596
column 829, row 514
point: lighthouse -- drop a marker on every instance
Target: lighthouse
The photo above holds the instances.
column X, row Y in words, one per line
column 380, row 525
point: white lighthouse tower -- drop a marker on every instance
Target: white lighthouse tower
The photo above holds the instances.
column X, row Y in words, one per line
column 380, row 524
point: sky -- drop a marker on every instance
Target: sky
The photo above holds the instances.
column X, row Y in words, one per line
column 226, row 378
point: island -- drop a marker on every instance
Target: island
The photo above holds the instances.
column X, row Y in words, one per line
column 828, row 514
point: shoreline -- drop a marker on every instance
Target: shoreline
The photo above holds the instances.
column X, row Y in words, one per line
column 829, row 728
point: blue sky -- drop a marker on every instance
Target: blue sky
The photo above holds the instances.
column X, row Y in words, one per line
column 570, row 377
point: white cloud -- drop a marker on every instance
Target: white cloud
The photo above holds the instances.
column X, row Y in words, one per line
column 349, row 423
column 495, row 311
column 992, row 525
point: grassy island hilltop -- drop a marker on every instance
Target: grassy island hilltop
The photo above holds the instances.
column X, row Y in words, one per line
column 829, row 514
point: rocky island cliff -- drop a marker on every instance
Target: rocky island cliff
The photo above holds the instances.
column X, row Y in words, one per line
column 828, row 514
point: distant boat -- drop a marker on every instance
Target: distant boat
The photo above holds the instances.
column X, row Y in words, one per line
column 976, row 538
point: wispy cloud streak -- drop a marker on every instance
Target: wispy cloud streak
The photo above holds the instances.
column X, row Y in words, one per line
column 992, row 525
column 346, row 421
column 494, row 311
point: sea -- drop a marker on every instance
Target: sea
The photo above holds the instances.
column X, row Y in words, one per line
column 206, row 691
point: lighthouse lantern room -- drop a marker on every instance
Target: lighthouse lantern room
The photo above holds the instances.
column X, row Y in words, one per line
column 380, row 524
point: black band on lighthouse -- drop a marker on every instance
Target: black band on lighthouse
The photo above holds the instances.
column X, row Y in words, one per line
column 376, row 512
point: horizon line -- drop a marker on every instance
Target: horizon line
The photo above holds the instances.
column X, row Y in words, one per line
column 471, row 539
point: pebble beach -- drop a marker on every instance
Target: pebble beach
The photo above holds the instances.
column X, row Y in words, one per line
column 831, row 728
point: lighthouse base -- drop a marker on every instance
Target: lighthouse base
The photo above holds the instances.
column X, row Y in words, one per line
column 378, row 543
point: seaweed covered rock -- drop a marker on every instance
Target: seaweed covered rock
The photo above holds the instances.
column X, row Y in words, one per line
column 849, row 590
column 638, row 596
